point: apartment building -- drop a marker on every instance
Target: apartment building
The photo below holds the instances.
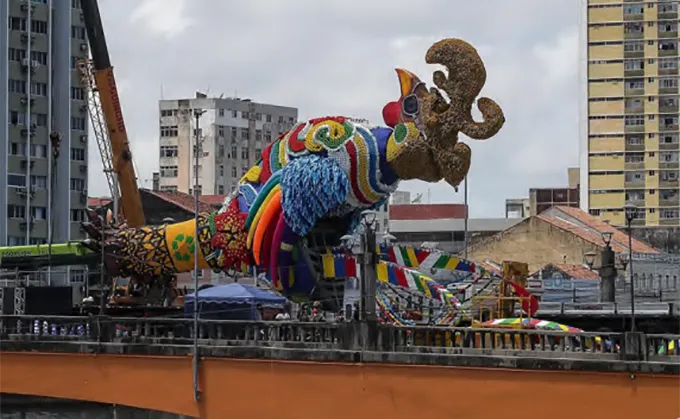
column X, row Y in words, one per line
column 42, row 194
column 630, row 142
column 232, row 134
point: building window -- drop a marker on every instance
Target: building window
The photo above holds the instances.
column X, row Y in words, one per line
column 221, row 170
column 169, row 131
column 244, row 153
column 77, row 185
column 233, row 172
column 39, row 89
column 78, row 32
column 168, row 171
column 234, row 114
column 220, row 131
column 39, row 151
column 17, row 23
column 220, row 189
column 14, row 54
column 39, row 182
column 38, row 26
column 168, row 188
column 16, row 241
column 635, row 140
column 17, row 149
column 668, row 7
column 169, row 151
column 220, row 112
column 77, row 93
column 37, row 240
column 77, row 124
column 16, row 86
column 634, row 120
column 78, row 154
column 39, row 213
column 245, row 115
column 634, row 65
column 668, row 82
column 269, row 118
column 76, row 4
column 245, row 134
column 633, row 9
column 267, row 136
column 668, row 45
column 16, row 211
column 16, row 181
column 635, row 84
column 635, row 46
column 635, row 157
column 669, row 157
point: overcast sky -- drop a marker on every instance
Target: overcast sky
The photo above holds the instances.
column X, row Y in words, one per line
column 337, row 57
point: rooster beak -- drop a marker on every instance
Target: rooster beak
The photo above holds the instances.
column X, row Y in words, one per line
column 405, row 81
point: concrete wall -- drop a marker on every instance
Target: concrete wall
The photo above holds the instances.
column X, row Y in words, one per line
column 534, row 242
column 234, row 388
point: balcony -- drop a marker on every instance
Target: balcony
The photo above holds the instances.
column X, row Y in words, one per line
column 634, row 165
column 669, row 222
column 669, row 146
column 669, row 165
column 669, row 183
column 669, row 202
column 629, row 129
column 668, row 71
column 635, row 147
column 668, row 107
column 634, row 184
column 634, row 35
column 669, row 35
column 669, row 127
column 634, row 73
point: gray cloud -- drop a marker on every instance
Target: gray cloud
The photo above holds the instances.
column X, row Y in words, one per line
column 338, row 58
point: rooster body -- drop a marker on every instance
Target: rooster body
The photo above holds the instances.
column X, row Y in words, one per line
column 310, row 185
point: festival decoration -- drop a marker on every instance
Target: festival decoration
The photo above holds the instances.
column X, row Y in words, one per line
column 316, row 179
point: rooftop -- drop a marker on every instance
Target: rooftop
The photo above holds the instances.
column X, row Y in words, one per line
column 452, row 224
column 590, row 228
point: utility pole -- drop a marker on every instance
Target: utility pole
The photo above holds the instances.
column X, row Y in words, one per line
column 369, row 275
column 467, row 217
column 197, row 149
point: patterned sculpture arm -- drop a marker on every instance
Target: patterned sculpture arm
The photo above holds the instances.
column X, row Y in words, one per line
column 165, row 250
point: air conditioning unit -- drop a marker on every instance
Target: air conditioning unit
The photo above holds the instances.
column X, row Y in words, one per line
column 83, row 138
column 25, row 101
column 83, row 168
column 83, row 193
column 25, row 38
column 34, row 126
column 83, row 109
column 83, row 47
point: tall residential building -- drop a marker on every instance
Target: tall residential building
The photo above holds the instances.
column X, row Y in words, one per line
column 40, row 195
column 630, row 143
column 233, row 132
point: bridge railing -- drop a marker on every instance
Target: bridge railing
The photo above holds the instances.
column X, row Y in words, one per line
column 341, row 336
column 589, row 309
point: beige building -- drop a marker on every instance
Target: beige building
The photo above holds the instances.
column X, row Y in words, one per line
column 630, row 142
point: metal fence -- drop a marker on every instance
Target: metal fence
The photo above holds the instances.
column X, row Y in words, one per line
column 338, row 336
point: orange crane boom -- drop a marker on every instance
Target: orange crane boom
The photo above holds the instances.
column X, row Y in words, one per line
column 121, row 156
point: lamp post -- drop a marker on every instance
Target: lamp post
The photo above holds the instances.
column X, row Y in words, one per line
column 368, row 259
column 607, row 269
column 631, row 213
column 197, row 149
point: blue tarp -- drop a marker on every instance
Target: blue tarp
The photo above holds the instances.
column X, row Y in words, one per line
column 232, row 301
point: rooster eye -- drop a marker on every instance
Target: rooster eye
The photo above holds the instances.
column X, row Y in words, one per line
column 410, row 105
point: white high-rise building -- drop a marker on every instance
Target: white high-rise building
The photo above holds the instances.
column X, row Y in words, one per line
column 233, row 133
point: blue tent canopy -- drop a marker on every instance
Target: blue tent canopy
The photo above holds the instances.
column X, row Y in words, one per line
column 227, row 301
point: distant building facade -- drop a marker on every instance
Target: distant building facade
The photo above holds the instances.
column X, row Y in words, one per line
column 232, row 134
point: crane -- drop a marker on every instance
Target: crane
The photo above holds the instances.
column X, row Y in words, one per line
column 107, row 118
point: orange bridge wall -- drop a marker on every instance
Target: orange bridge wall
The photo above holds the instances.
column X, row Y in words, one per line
column 281, row 390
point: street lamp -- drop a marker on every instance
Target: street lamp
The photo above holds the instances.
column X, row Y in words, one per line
column 631, row 213
column 607, row 268
column 368, row 277
column 197, row 155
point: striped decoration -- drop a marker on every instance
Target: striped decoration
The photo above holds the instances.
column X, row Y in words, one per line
column 412, row 257
column 342, row 266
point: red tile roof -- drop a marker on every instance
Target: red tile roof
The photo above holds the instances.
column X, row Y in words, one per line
column 216, row 200
column 427, row 211
column 182, row 200
column 94, row 202
column 619, row 238
column 577, row 271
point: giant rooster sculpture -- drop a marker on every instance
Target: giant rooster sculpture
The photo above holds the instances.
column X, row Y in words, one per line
column 311, row 184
